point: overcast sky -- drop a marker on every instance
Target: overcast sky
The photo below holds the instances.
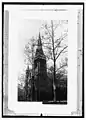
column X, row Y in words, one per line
column 23, row 25
column 31, row 28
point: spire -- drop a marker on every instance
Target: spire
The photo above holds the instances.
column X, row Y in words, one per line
column 39, row 50
column 39, row 40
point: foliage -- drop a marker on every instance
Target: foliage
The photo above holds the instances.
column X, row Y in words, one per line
column 54, row 46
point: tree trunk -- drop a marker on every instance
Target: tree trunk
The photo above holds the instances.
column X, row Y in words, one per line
column 54, row 74
column 54, row 86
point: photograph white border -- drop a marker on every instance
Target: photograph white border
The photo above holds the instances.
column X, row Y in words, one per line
column 72, row 85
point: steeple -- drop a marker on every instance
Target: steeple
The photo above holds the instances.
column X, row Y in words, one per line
column 39, row 50
column 40, row 72
column 39, row 40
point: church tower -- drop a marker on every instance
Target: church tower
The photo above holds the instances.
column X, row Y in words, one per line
column 40, row 78
column 40, row 58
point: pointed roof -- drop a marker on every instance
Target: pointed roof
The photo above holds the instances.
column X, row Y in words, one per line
column 39, row 40
column 39, row 50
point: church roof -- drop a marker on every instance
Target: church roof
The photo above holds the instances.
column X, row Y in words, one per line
column 39, row 50
column 39, row 40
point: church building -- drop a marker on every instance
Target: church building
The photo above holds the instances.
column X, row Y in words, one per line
column 42, row 86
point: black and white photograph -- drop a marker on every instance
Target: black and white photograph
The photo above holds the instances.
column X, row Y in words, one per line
column 42, row 60
column 45, row 56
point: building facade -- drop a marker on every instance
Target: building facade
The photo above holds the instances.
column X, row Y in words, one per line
column 41, row 81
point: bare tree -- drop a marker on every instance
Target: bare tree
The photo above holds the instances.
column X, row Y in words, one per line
column 55, row 46
column 29, row 51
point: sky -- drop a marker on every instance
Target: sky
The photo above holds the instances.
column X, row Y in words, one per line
column 23, row 25
column 31, row 28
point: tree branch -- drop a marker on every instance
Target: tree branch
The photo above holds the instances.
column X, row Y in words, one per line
column 48, row 31
column 45, row 43
column 65, row 51
column 61, row 67
column 60, row 40
column 49, row 48
column 49, row 57
column 46, row 38
column 61, row 51
column 57, row 25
